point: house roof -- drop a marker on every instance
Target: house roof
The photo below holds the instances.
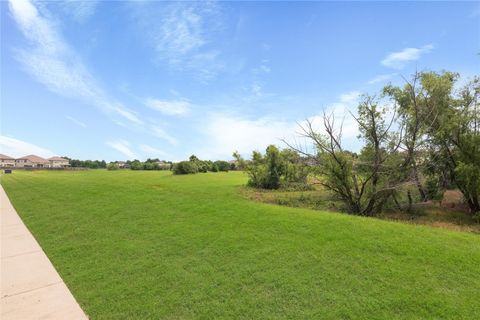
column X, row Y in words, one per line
column 33, row 158
column 57, row 159
column 4, row 157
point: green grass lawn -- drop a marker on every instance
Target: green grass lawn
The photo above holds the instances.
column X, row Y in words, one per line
column 150, row 245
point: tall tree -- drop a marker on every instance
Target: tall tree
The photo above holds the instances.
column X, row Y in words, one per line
column 454, row 131
column 363, row 183
column 413, row 119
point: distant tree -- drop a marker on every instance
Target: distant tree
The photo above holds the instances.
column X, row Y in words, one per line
column 136, row 165
column 240, row 163
column 221, row 165
column 276, row 169
column 185, row 167
column 149, row 166
column 112, row 166
column 92, row 164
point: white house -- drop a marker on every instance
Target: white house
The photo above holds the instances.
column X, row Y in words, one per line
column 58, row 162
column 6, row 161
column 32, row 161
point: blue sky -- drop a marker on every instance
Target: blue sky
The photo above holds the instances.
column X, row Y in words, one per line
column 123, row 80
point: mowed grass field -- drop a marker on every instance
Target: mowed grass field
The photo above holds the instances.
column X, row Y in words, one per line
column 150, row 245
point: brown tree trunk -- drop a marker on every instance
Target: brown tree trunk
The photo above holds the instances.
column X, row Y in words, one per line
column 473, row 204
column 421, row 190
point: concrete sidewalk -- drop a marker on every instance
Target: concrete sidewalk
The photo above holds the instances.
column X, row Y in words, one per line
column 30, row 286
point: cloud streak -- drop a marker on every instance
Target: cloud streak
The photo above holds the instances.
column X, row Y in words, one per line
column 227, row 133
column 150, row 151
column 162, row 134
column 76, row 121
column 123, row 147
column 17, row 148
column 381, row 78
column 53, row 63
column 172, row 107
column 399, row 59
column 180, row 32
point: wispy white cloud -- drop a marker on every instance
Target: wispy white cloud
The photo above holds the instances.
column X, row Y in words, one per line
column 17, row 148
column 123, row 147
column 226, row 133
column 150, row 151
column 258, row 73
column 381, row 78
column 399, row 59
column 52, row 62
column 79, row 10
column 169, row 107
column 162, row 134
column 76, row 121
column 180, row 33
column 265, row 68
column 127, row 114
column 257, row 89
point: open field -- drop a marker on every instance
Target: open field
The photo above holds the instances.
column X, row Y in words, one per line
column 147, row 244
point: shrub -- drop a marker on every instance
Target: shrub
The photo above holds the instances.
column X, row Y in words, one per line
column 222, row 165
column 185, row 167
column 112, row 166
column 136, row 165
column 277, row 169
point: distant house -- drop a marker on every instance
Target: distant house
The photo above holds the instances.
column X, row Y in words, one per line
column 58, row 162
column 122, row 165
column 32, row 161
column 163, row 165
column 6, row 161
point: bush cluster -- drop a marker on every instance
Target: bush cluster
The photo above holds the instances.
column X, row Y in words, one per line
column 194, row 165
column 91, row 164
column 277, row 169
column 112, row 166
column 149, row 164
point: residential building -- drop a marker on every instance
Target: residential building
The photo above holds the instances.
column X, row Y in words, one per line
column 6, row 161
column 58, row 162
column 163, row 165
column 32, row 161
column 123, row 165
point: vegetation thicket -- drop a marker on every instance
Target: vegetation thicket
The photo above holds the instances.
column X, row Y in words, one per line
column 149, row 164
column 276, row 169
column 424, row 135
column 195, row 165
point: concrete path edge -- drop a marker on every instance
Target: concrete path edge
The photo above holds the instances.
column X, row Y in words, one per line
column 31, row 288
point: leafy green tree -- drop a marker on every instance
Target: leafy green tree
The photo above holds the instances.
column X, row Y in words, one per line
column 454, row 132
column 112, row 166
column 222, row 165
column 136, row 165
column 413, row 116
column 363, row 183
column 240, row 163
column 185, row 167
column 276, row 169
